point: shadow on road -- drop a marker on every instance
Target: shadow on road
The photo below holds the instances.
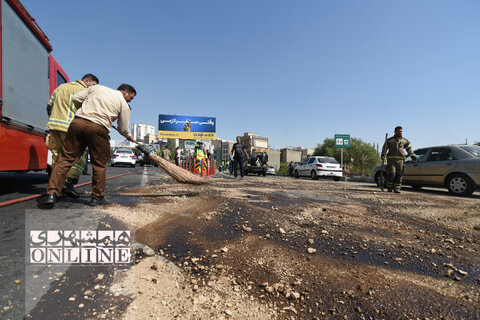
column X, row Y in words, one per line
column 27, row 183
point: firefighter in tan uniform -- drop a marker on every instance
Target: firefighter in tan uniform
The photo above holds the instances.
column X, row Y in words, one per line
column 61, row 112
column 396, row 146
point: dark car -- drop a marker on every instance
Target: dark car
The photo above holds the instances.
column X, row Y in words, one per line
column 142, row 160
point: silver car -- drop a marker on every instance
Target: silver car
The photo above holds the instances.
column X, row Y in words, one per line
column 316, row 167
column 456, row 168
column 271, row 170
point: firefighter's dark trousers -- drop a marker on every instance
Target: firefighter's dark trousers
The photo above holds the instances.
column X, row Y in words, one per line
column 394, row 171
column 81, row 134
column 55, row 142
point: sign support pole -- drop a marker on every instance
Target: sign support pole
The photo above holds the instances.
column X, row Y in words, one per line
column 341, row 159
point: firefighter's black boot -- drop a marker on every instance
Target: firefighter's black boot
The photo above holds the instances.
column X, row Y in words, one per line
column 68, row 188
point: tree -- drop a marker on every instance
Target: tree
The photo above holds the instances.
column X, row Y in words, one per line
column 360, row 158
column 170, row 146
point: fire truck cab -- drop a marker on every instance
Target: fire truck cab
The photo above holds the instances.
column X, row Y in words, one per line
column 29, row 75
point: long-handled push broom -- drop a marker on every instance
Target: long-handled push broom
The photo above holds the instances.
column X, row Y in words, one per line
column 179, row 174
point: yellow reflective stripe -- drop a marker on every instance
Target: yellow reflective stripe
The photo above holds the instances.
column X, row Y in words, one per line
column 71, row 110
column 77, row 167
column 53, row 97
column 59, row 122
column 80, row 165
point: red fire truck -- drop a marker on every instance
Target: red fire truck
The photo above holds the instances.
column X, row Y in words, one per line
column 29, row 74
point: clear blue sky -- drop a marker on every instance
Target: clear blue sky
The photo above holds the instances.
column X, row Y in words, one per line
column 296, row 72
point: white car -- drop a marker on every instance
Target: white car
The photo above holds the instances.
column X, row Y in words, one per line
column 316, row 167
column 271, row 170
column 123, row 156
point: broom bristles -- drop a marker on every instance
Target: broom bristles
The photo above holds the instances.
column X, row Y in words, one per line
column 179, row 174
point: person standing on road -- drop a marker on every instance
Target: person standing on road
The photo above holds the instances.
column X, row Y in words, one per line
column 238, row 150
column 166, row 154
column 177, row 156
column 290, row 168
column 230, row 167
column 396, row 146
column 98, row 107
column 61, row 111
column 201, row 155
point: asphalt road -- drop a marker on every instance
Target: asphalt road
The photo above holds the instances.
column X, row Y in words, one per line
column 14, row 218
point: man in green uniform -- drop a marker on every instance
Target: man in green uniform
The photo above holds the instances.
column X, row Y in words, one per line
column 395, row 148
column 61, row 111
column 166, row 154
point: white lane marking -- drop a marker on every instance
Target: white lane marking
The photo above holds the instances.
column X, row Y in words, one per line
column 144, row 181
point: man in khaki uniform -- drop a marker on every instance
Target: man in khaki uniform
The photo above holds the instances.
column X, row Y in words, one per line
column 166, row 153
column 99, row 107
column 61, row 111
column 396, row 146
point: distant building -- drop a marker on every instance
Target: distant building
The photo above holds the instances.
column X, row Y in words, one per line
column 306, row 152
column 222, row 149
column 149, row 138
column 252, row 141
column 141, row 130
column 274, row 158
column 287, row 155
column 217, row 148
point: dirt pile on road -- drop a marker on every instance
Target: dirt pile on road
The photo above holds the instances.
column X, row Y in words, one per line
column 303, row 249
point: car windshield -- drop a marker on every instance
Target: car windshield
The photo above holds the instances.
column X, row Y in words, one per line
column 474, row 150
column 123, row 151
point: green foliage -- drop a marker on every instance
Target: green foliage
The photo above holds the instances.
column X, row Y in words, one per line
column 360, row 158
column 477, row 144
column 283, row 170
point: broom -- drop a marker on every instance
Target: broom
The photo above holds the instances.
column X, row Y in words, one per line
column 179, row 174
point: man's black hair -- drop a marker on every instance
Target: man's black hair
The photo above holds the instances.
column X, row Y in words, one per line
column 127, row 87
column 398, row 128
column 90, row 77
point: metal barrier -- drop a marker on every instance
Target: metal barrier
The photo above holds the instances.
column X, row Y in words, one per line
column 205, row 167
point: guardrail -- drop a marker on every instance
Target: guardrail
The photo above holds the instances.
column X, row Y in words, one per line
column 204, row 167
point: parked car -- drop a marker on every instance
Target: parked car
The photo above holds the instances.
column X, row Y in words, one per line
column 123, row 156
column 456, row 168
column 316, row 167
column 271, row 170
